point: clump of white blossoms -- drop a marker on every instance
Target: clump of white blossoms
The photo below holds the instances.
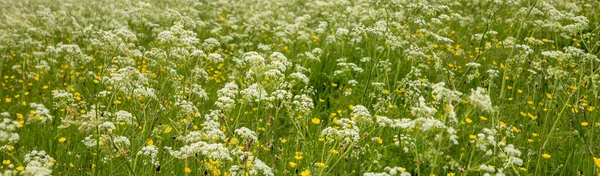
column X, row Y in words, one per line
column 348, row 132
column 62, row 99
column 390, row 171
column 361, row 114
column 8, row 132
column 204, row 142
column 422, row 109
column 480, row 99
column 38, row 163
column 226, row 96
column 246, row 133
column 253, row 166
column 39, row 112
column 125, row 117
column 151, row 155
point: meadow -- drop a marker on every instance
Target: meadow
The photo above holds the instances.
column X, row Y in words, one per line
column 299, row 87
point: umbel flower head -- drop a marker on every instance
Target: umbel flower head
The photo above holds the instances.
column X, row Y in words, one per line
column 480, row 99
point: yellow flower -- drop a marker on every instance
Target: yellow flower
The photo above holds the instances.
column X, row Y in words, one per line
column 468, row 120
column 10, row 148
column 150, row 142
column 584, row 124
column 320, row 164
column 516, row 130
column 482, row 118
column 292, row 164
column 168, row 129
column 188, row 170
column 546, row 156
column 6, row 162
column 62, row 139
column 473, row 137
column 379, row 140
column 299, row 155
column 8, row 100
column 334, row 151
column 316, row 121
column 283, row 141
column 597, row 162
column 531, row 116
column 305, row 173
column 450, row 174
column 20, row 168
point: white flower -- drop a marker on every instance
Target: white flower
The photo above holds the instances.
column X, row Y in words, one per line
column 151, row 152
column 481, row 100
column 41, row 112
column 361, row 114
column 124, row 116
column 246, row 133
column 422, row 110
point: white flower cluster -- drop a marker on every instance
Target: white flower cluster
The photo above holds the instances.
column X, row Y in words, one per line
column 8, row 132
column 226, row 96
column 151, row 154
column 38, row 163
column 480, row 99
column 390, row 171
column 246, row 133
column 39, row 112
column 347, row 133
column 62, row 98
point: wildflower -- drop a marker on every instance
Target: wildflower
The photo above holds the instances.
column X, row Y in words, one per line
column 316, row 121
column 482, row 118
column 320, row 164
column 188, row 170
column 584, row 124
column 597, row 162
column 168, row 129
column 379, row 140
column 62, row 139
column 298, row 156
column 546, row 156
column 480, row 99
column 305, row 173
column 150, row 142
column 292, row 164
